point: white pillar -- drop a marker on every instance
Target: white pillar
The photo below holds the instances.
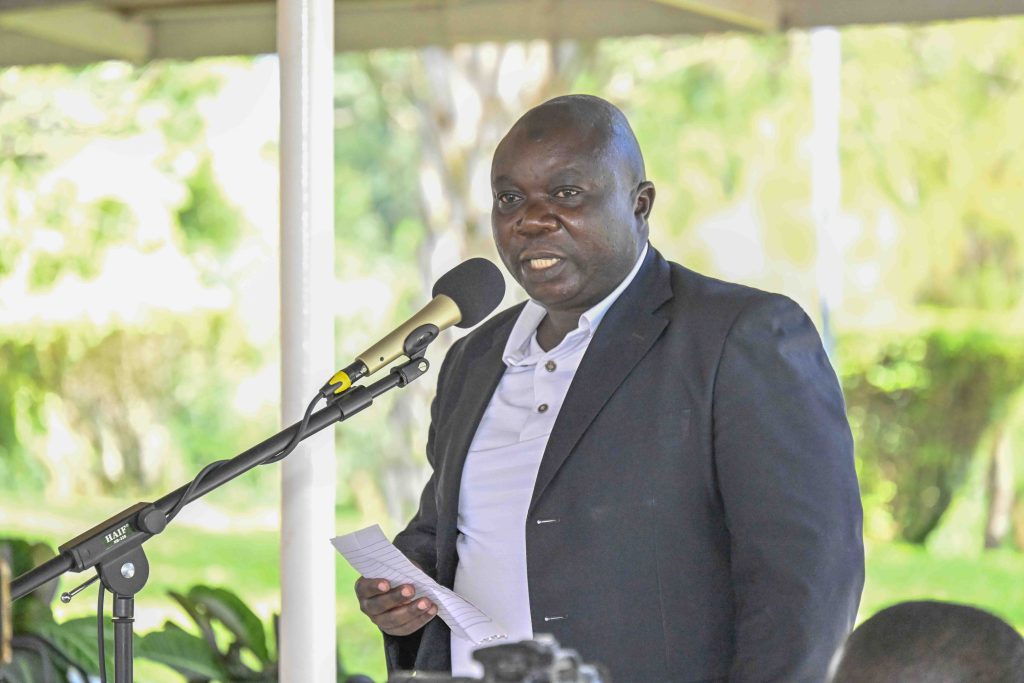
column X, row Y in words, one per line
column 305, row 42
column 825, row 171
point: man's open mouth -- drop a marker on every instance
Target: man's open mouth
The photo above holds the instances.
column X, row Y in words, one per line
column 542, row 263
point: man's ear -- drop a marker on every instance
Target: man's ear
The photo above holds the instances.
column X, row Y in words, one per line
column 644, row 201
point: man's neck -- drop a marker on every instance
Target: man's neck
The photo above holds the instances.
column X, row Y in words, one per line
column 554, row 327
column 558, row 323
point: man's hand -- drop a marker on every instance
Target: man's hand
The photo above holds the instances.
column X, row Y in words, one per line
column 393, row 609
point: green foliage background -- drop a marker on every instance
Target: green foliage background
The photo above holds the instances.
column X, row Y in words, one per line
column 929, row 328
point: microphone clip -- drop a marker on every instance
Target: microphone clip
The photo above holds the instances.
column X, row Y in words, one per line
column 415, row 347
column 416, row 343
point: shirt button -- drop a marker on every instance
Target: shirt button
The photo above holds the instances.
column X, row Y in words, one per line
column 550, row 366
column 542, row 408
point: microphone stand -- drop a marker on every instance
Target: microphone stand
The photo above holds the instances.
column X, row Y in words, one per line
column 114, row 546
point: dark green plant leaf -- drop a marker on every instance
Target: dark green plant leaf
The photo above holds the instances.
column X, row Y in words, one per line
column 29, row 614
column 76, row 639
column 34, row 608
column 198, row 615
column 229, row 609
column 27, row 667
column 33, row 662
column 187, row 654
column 238, row 670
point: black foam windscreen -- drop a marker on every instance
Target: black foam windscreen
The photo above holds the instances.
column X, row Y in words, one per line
column 476, row 286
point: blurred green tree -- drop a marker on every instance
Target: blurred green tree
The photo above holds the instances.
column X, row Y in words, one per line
column 919, row 408
column 933, row 170
column 413, row 141
column 136, row 388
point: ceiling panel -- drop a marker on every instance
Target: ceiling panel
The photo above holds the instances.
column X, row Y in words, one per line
column 39, row 31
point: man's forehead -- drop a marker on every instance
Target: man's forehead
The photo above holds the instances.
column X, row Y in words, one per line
column 553, row 172
column 557, row 159
column 559, row 124
column 566, row 146
column 573, row 130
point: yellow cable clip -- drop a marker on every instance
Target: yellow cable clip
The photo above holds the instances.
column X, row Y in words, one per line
column 342, row 380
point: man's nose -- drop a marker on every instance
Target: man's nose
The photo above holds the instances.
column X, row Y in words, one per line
column 536, row 218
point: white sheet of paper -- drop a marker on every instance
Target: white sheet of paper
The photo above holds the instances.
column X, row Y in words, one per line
column 372, row 555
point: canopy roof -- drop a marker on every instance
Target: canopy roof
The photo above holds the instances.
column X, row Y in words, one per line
column 75, row 32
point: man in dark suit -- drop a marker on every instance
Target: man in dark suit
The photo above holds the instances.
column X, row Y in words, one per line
column 649, row 464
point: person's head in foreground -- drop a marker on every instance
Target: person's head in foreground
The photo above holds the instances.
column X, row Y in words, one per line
column 931, row 642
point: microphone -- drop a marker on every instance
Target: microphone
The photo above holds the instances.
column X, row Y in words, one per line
column 463, row 296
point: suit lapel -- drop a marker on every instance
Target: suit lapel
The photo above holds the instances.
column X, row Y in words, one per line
column 483, row 372
column 625, row 335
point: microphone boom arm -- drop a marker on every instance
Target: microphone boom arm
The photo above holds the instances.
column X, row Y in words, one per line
column 92, row 547
column 111, row 545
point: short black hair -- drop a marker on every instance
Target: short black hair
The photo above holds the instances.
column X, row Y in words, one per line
column 932, row 642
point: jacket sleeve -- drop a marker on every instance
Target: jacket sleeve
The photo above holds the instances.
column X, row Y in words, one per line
column 784, row 462
column 418, row 541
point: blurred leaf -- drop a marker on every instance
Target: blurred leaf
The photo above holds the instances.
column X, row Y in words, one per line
column 76, row 641
column 31, row 664
column 198, row 616
column 33, row 610
column 207, row 218
column 187, row 654
column 241, row 621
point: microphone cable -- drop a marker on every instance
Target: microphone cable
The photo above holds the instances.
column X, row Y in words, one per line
column 101, row 640
column 183, row 499
column 192, row 487
column 474, row 288
column 297, row 436
column 292, row 443
column 203, row 473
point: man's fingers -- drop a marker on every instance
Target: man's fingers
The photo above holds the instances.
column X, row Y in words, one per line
column 406, row 619
column 393, row 610
column 367, row 588
column 379, row 603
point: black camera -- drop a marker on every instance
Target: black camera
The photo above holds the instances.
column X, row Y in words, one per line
column 540, row 660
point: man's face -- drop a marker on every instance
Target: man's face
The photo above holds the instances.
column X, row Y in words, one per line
column 564, row 217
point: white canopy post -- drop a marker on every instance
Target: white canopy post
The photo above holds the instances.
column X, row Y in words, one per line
column 305, row 42
column 825, row 172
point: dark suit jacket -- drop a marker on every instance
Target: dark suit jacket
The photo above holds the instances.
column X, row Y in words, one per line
column 701, row 478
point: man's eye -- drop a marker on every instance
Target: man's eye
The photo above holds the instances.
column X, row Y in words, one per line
column 506, row 197
column 566, row 192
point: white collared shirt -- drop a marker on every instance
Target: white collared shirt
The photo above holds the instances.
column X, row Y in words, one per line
column 501, row 469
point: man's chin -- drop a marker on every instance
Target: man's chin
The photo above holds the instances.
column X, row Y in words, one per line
column 554, row 298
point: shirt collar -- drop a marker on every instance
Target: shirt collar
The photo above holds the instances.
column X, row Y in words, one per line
column 522, row 343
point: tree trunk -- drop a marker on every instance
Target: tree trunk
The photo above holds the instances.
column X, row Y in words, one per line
column 1001, row 489
column 467, row 98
